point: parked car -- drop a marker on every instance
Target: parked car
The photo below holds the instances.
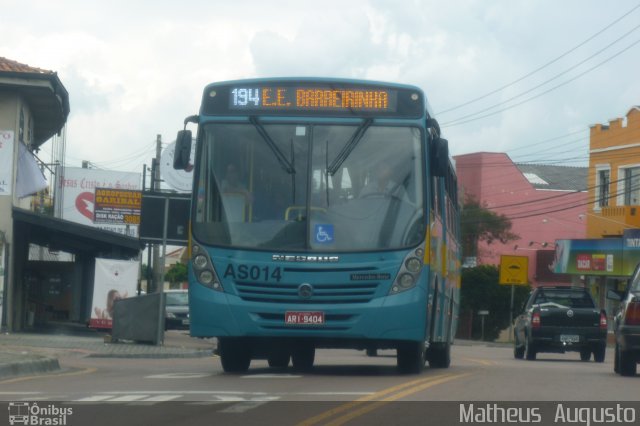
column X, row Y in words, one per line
column 561, row 319
column 627, row 327
column 176, row 309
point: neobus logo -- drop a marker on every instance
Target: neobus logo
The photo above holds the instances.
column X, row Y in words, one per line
column 294, row 258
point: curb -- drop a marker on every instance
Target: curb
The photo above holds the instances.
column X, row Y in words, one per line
column 39, row 364
column 193, row 354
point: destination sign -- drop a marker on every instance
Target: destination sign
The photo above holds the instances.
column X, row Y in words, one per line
column 313, row 98
column 321, row 98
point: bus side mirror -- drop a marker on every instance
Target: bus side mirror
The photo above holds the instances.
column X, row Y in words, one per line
column 182, row 153
column 440, row 157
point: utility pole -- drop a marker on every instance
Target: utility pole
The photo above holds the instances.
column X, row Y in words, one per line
column 158, row 269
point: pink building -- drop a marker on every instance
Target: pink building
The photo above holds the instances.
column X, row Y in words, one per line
column 543, row 202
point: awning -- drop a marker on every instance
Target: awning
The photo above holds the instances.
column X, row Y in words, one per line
column 71, row 237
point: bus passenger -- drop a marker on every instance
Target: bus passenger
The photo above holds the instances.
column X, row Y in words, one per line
column 382, row 183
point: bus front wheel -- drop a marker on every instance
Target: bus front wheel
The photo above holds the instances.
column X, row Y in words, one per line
column 411, row 357
column 440, row 355
column 303, row 355
column 235, row 355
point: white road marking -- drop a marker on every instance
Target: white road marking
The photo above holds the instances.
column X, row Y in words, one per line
column 178, row 376
column 162, row 398
column 245, row 406
column 94, row 398
column 126, row 398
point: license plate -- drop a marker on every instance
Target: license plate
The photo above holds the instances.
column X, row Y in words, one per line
column 185, row 322
column 304, row 318
column 569, row 338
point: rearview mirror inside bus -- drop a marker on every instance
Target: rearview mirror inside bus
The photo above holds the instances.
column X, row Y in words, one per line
column 182, row 153
column 440, row 157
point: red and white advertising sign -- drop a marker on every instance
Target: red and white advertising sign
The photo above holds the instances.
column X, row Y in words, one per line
column 75, row 189
column 114, row 280
column 6, row 161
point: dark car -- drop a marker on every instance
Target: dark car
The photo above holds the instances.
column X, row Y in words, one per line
column 627, row 327
column 559, row 320
column 176, row 309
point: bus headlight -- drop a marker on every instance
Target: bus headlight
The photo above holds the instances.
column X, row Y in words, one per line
column 409, row 273
column 203, row 269
column 200, row 261
column 413, row 264
column 406, row 281
column 206, row 277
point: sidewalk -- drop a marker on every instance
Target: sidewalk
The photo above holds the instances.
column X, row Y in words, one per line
column 34, row 353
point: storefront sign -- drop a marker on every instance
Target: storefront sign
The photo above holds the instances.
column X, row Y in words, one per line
column 602, row 256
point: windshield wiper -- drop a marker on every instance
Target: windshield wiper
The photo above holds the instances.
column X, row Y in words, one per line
column 349, row 146
column 282, row 159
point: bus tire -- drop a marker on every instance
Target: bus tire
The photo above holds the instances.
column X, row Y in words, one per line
column 440, row 356
column 279, row 358
column 235, row 355
column 303, row 355
column 411, row 357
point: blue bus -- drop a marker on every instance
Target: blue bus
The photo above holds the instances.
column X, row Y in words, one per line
column 324, row 215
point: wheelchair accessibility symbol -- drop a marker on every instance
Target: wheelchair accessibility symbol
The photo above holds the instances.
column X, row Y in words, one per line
column 323, row 234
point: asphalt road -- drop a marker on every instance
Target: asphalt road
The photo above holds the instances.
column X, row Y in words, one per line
column 344, row 387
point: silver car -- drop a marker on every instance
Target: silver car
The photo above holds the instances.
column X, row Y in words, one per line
column 176, row 309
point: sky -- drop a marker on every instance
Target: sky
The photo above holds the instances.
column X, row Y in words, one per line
column 523, row 77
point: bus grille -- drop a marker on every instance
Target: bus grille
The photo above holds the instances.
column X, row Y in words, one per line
column 352, row 292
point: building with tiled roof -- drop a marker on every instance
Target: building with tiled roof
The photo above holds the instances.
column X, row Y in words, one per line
column 39, row 94
column 543, row 202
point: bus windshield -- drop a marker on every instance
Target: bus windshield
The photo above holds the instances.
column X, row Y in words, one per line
column 309, row 187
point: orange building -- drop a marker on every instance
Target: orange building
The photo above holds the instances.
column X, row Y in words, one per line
column 614, row 177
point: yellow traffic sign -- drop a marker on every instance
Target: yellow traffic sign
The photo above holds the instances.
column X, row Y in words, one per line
column 514, row 270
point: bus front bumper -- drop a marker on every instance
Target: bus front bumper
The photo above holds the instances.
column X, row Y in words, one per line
column 401, row 316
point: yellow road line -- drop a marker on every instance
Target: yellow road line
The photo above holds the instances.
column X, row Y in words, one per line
column 72, row 373
column 413, row 386
column 480, row 361
column 374, row 405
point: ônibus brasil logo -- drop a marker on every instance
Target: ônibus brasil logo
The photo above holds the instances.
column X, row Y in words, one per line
column 31, row 414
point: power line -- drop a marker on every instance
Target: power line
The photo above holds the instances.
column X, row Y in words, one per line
column 546, row 81
column 459, row 122
column 542, row 66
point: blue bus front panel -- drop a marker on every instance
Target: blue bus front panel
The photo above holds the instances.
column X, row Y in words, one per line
column 352, row 294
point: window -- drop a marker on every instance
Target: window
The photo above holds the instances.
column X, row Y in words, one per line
column 603, row 188
column 632, row 186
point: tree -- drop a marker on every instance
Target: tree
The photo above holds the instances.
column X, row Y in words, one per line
column 480, row 290
column 176, row 274
column 481, row 224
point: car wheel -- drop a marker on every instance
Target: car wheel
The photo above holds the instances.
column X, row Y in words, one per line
column 585, row 354
column 303, row 355
column 235, row 355
column 626, row 363
column 411, row 357
column 518, row 352
column 529, row 350
column 599, row 352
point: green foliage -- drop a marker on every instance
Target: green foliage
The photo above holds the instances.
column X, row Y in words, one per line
column 481, row 224
column 176, row 275
column 481, row 290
